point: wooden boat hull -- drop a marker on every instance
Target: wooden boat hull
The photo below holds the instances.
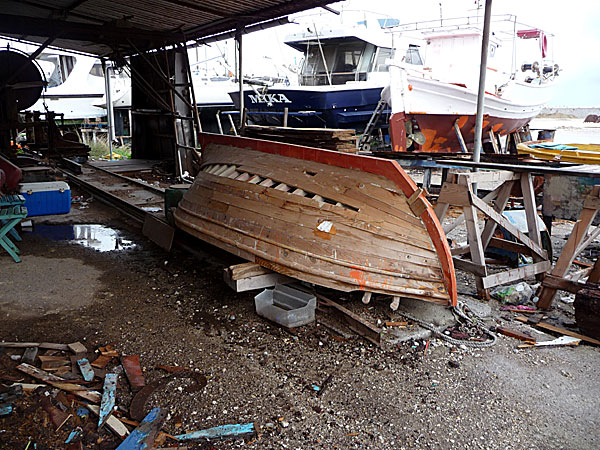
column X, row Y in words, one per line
column 342, row 221
column 583, row 154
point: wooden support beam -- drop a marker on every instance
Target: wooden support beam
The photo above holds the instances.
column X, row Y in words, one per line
column 508, row 226
column 533, row 226
column 469, row 266
column 460, row 219
column 515, row 274
column 562, row 284
column 106, row 33
column 499, row 205
column 509, row 246
column 477, row 254
column 569, row 252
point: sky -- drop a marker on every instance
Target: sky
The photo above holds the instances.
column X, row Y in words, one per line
column 575, row 26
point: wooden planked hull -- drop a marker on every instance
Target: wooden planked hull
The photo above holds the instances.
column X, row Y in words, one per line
column 343, row 221
column 575, row 153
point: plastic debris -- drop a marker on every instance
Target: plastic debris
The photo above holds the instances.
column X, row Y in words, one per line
column 517, row 294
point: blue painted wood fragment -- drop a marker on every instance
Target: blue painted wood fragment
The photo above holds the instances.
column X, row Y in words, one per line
column 5, row 410
column 144, row 435
column 220, row 432
column 108, row 398
column 86, row 369
column 73, row 435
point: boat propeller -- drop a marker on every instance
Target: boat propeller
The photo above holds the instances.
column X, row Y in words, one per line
column 413, row 134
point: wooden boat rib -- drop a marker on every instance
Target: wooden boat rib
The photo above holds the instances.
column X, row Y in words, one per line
column 338, row 220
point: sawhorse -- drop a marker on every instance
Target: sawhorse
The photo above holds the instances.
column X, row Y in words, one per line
column 578, row 240
column 458, row 191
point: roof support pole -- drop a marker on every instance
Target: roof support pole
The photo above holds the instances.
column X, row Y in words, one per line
column 485, row 44
column 240, row 75
column 109, row 107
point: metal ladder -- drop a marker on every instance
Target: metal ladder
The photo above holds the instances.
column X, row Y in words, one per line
column 366, row 136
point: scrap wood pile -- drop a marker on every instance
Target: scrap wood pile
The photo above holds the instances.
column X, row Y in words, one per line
column 65, row 397
column 340, row 140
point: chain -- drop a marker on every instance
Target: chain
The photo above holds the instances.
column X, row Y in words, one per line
column 458, row 311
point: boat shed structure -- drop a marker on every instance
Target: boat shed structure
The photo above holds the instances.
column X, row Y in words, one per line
column 108, row 27
column 148, row 39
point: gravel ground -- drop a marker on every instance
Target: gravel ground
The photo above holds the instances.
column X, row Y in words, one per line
column 174, row 309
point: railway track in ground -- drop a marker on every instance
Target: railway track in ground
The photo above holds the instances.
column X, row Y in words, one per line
column 137, row 199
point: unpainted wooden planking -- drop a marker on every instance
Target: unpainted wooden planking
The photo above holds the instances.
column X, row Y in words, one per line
column 245, row 270
column 413, row 236
column 207, row 214
column 77, row 347
column 328, row 273
column 569, row 252
column 550, row 327
column 304, row 220
column 381, row 258
column 293, row 171
column 47, row 345
column 297, row 205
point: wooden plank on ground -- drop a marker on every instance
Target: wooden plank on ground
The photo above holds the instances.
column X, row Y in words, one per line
column 29, row 355
column 77, row 347
column 60, row 383
column 550, row 327
column 112, row 422
column 133, row 370
column 48, row 345
column 356, row 323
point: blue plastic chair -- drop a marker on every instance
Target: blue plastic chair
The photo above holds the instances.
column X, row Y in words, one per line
column 10, row 216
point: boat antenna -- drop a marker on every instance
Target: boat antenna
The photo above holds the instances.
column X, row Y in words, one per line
column 441, row 20
column 322, row 54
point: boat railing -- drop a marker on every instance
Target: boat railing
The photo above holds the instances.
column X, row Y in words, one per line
column 473, row 22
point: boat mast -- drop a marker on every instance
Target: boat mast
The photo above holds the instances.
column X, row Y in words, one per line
column 481, row 93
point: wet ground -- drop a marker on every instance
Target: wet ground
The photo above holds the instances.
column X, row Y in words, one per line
column 174, row 309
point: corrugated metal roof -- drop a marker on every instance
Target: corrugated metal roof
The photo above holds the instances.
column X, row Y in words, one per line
column 102, row 27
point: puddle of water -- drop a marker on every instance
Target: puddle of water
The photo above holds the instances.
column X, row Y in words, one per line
column 152, row 208
column 98, row 237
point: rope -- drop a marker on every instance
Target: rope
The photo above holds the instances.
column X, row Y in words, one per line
column 458, row 311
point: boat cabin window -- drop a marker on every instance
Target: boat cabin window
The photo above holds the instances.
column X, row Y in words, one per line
column 343, row 62
column 63, row 65
column 383, row 54
column 96, row 70
column 412, row 55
